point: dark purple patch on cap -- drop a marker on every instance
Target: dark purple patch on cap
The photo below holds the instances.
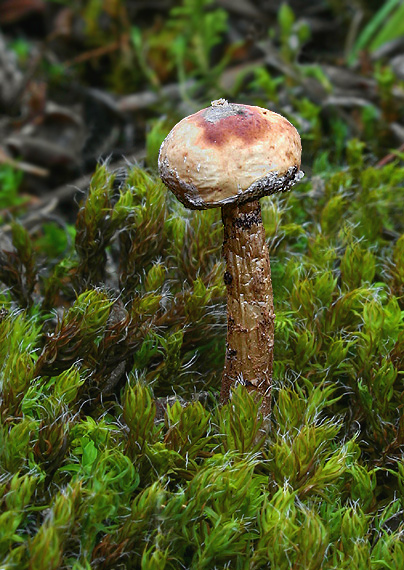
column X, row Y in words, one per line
column 225, row 122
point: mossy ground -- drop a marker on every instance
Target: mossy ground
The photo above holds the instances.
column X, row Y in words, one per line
column 96, row 471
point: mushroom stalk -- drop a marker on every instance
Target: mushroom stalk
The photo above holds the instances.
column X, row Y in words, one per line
column 250, row 308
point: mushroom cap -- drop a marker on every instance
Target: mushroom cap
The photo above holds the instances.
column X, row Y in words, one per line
column 230, row 153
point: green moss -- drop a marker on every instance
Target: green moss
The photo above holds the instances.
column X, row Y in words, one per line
column 98, row 470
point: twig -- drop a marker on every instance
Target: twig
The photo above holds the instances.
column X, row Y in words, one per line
column 96, row 53
column 389, row 157
column 24, row 166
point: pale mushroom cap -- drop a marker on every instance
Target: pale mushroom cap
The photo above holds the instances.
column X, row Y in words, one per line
column 230, row 153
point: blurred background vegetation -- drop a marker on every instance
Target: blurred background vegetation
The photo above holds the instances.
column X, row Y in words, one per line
column 82, row 80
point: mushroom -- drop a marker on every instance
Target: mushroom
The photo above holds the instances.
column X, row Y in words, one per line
column 229, row 156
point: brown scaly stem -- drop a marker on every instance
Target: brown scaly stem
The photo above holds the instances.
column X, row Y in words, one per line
column 250, row 308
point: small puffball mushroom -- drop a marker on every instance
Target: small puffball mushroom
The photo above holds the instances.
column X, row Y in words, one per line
column 230, row 156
